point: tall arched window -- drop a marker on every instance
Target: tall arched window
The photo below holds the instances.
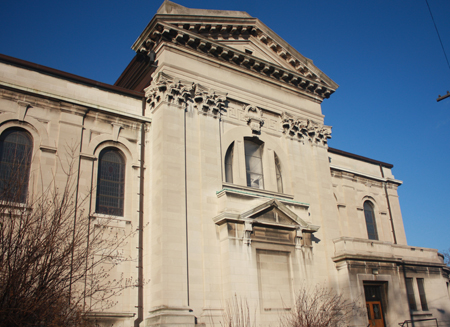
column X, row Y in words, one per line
column 16, row 147
column 229, row 164
column 253, row 163
column 111, row 182
column 278, row 174
column 369, row 214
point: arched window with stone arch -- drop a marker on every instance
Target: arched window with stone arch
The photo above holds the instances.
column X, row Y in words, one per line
column 369, row 214
column 16, row 148
column 111, row 182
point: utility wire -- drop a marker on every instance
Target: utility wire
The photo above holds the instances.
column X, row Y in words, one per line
column 432, row 18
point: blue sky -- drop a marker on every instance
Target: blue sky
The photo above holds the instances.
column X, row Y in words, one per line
column 384, row 54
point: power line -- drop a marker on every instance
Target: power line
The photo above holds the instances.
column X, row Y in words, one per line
column 443, row 49
column 439, row 36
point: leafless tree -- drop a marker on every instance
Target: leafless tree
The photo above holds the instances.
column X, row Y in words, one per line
column 446, row 257
column 55, row 260
column 237, row 313
column 319, row 306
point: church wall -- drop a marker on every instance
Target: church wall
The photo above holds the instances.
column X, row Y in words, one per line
column 60, row 116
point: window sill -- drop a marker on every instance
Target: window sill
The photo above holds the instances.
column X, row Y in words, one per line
column 103, row 219
column 254, row 192
column 421, row 313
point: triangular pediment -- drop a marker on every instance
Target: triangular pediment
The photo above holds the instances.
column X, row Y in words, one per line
column 273, row 212
column 273, row 215
column 237, row 38
column 256, row 50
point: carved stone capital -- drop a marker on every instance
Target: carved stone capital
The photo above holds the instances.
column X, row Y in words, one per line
column 180, row 92
column 209, row 101
column 165, row 88
column 306, row 129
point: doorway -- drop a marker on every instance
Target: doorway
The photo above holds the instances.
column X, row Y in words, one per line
column 374, row 305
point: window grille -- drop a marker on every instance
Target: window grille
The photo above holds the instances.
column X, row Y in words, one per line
column 370, row 221
column 111, row 182
column 16, row 149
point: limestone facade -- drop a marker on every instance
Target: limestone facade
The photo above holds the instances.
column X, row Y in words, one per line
column 228, row 174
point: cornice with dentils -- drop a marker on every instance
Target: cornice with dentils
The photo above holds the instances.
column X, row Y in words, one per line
column 163, row 32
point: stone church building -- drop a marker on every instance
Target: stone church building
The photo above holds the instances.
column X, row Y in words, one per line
column 220, row 155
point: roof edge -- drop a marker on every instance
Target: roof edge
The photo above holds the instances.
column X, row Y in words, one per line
column 361, row 158
column 67, row 76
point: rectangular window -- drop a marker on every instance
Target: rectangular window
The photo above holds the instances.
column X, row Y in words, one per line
column 423, row 299
column 253, row 164
column 410, row 292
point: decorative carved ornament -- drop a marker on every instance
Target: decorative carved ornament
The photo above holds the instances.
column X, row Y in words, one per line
column 205, row 100
column 254, row 118
column 307, row 129
column 300, row 76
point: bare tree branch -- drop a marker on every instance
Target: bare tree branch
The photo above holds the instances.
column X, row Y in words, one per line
column 52, row 271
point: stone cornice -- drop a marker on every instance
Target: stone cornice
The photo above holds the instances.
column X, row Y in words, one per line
column 368, row 176
column 298, row 78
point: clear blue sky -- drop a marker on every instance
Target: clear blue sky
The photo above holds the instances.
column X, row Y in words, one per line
column 384, row 54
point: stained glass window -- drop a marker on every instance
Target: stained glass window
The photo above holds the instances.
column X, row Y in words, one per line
column 111, row 182
column 370, row 221
column 16, row 148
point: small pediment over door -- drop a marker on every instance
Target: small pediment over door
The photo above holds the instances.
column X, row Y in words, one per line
column 269, row 218
column 275, row 216
column 273, row 212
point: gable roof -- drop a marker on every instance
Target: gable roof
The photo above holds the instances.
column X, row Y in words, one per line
column 237, row 38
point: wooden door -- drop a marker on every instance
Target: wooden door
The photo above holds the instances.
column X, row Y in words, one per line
column 375, row 314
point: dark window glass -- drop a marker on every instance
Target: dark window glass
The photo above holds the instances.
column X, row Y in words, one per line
column 410, row 292
column 278, row 173
column 423, row 299
column 229, row 164
column 253, row 164
column 370, row 221
column 16, row 148
column 376, row 311
column 372, row 293
column 111, row 182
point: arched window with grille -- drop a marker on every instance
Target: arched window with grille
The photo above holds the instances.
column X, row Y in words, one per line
column 369, row 214
column 111, row 182
column 16, row 148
